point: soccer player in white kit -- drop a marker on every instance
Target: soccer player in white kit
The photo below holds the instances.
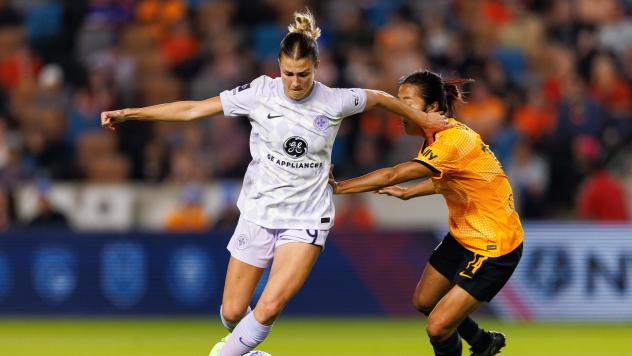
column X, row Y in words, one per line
column 285, row 203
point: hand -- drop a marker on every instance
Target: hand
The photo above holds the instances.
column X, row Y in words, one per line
column 111, row 118
column 436, row 121
column 332, row 181
column 394, row 191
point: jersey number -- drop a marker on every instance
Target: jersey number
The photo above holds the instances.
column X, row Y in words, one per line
column 473, row 266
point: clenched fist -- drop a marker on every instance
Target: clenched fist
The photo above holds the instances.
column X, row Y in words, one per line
column 111, row 118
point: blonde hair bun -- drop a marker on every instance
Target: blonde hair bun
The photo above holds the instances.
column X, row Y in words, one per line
column 304, row 23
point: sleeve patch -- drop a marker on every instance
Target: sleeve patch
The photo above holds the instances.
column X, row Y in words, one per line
column 356, row 98
column 241, row 88
column 429, row 154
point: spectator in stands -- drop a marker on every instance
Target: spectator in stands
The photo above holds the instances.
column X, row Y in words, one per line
column 229, row 213
column 97, row 160
column 83, row 116
column 535, row 118
column 602, row 196
column 227, row 218
column 529, row 175
column 47, row 216
column 353, row 213
column 189, row 215
column 5, row 210
column 579, row 116
column 52, row 92
column 9, row 160
column 484, row 112
column 19, row 66
column 608, row 88
column 615, row 33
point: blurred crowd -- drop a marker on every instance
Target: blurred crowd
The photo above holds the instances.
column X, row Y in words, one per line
column 552, row 94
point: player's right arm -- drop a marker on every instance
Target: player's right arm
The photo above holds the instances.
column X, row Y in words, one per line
column 176, row 111
column 355, row 100
column 418, row 190
column 431, row 121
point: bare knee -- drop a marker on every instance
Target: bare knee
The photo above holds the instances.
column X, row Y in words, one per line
column 233, row 312
column 438, row 328
column 422, row 305
column 268, row 309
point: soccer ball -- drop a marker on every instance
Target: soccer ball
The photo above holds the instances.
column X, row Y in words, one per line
column 257, row 353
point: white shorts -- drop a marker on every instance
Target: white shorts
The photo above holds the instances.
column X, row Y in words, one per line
column 255, row 245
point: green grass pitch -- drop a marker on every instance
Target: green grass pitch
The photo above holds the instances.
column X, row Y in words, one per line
column 291, row 336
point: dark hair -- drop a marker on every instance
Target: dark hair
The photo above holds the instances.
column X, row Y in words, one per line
column 446, row 93
column 300, row 42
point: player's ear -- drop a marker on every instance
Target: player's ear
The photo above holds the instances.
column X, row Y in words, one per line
column 317, row 64
column 433, row 107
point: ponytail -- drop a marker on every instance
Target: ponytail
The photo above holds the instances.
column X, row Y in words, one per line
column 300, row 42
column 453, row 92
column 304, row 23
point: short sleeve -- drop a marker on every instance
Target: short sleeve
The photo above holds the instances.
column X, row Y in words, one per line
column 241, row 100
column 444, row 156
column 352, row 101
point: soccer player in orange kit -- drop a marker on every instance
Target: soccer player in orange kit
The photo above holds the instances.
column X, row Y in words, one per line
column 484, row 245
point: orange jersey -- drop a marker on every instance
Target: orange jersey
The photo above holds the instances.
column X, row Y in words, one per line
column 480, row 201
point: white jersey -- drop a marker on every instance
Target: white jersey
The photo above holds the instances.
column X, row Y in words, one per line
column 285, row 186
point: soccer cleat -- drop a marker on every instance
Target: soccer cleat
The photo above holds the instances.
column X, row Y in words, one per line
column 218, row 347
column 498, row 342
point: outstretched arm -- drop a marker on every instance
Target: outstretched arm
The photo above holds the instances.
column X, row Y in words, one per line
column 380, row 178
column 418, row 190
column 431, row 121
column 176, row 111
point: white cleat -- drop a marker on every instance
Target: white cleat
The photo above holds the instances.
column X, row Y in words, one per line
column 218, row 347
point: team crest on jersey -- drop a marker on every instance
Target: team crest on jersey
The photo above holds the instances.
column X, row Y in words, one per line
column 295, row 147
column 321, row 123
column 243, row 241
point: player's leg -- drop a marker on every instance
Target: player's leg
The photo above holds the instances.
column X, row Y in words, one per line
column 479, row 279
column 241, row 281
column 438, row 275
column 447, row 260
column 444, row 319
column 483, row 277
column 251, row 248
column 292, row 264
column 432, row 286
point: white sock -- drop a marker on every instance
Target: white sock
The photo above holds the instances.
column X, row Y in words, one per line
column 230, row 325
column 247, row 335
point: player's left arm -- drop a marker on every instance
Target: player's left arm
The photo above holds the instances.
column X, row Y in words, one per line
column 431, row 121
column 380, row 178
column 418, row 190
